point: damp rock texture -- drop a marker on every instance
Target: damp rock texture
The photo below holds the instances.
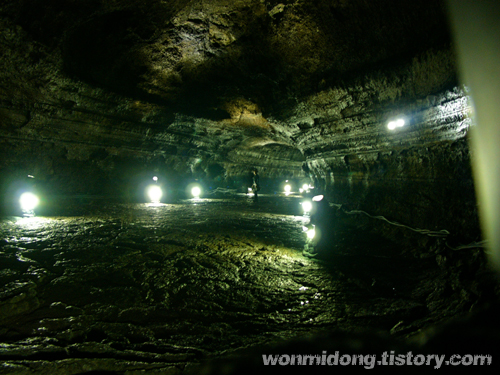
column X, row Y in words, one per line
column 116, row 91
column 143, row 287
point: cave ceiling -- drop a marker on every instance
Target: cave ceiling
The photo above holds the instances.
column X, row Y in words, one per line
column 228, row 80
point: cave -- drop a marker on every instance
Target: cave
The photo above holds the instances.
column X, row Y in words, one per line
column 364, row 108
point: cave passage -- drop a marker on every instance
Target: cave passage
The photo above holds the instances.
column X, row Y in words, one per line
column 164, row 285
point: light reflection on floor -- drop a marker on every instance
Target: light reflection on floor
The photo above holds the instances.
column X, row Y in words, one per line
column 205, row 275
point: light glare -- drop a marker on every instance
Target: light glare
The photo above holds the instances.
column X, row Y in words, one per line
column 307, row 206
column 196, row 192
column 28, row 201
column 155, row 193
column 396, row 124
column 288, row 188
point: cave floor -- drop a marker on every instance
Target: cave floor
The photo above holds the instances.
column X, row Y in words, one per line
column 143, row 287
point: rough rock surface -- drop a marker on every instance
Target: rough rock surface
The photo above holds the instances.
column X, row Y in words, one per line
column 141, row 287
column 116, row 92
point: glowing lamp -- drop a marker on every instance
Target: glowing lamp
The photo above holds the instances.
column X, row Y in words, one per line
column 307, row 206
column 305, row 187
column 288, row 188
column 396, row 124
column 155, row 193
column 196, row 192
column 311, row 233
column 28, row 201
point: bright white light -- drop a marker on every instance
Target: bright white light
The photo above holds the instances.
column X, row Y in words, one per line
column 155, row 178
column 196, row 191
column 318, row 198
column 307, row 206
column 396, row 124
column 288, row 188
column 301, row 190
column 28, row 201
column 311, row 233
column 305, row 187
column 155, row 193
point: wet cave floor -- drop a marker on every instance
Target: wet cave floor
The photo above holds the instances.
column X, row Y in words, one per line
column 142, row 287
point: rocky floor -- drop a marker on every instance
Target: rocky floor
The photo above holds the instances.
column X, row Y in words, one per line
column 102, row 287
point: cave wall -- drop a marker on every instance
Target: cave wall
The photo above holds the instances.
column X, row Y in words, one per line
column 194, row 90
column 420, row 174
